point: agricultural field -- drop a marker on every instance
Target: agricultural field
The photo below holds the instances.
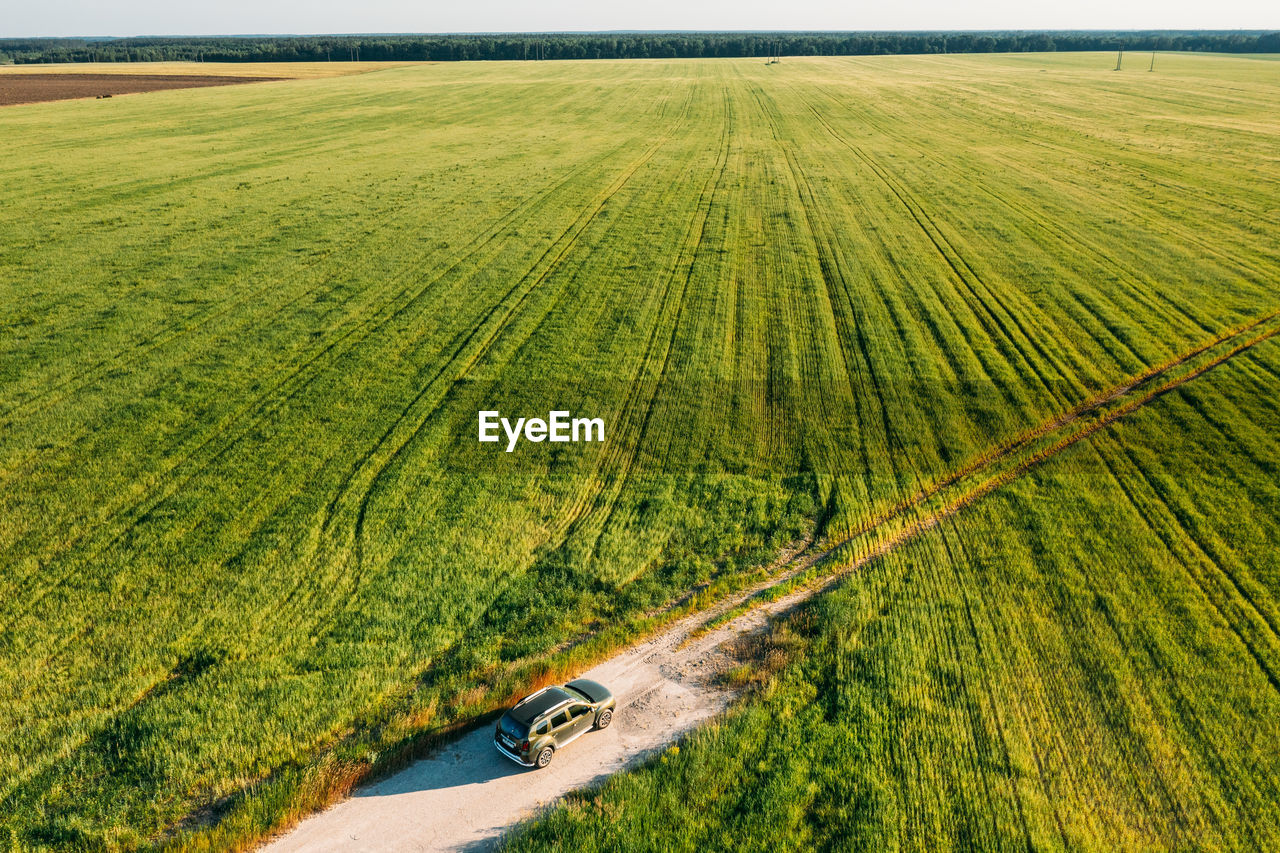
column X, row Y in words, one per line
column 251, row 550
column 273, row 70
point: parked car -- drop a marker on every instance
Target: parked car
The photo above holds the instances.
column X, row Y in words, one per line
column 543, row 722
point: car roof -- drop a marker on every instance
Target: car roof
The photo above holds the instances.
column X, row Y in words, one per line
column 532, row 707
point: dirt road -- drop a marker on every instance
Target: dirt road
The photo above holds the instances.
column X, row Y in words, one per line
column 466, row 795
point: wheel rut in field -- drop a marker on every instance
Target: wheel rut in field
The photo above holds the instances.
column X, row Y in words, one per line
column 1015, row 457
column 653, row 372
column 343, row 527
column 179, row 471
column 173, row 479
column 465, row 795
column 1133, row 280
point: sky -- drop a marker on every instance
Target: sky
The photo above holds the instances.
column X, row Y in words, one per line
column 167, row 17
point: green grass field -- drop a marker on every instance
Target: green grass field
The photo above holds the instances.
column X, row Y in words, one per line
column 251, row 547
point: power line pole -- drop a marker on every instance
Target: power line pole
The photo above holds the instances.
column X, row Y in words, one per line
column 1119, row 58
column 1153, row 61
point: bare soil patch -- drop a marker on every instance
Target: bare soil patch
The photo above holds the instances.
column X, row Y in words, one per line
column 37, row 88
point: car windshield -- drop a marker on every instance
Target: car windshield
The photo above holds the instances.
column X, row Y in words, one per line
column 516, row 729
column 573, row 691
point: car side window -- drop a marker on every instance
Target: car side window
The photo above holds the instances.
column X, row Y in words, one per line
column 578, row 710
column 560, row 719
column 542, row 727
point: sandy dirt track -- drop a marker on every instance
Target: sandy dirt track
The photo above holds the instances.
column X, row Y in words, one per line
column 466, row 795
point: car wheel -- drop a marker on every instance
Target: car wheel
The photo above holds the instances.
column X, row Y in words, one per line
column 605, row 718
column 544, row 757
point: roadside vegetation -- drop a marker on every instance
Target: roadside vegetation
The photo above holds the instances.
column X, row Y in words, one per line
column 251, row 548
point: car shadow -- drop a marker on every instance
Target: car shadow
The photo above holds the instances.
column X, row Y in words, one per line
column 472, row 760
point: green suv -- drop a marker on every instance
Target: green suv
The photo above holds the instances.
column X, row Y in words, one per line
column 542, row 722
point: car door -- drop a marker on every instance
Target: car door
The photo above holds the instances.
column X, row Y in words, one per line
column 580, row 719
column 561, row 728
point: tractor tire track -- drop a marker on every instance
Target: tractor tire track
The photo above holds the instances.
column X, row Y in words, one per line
column 298, row 378
column 693, row 243
column 226, row 435
column 621, row 453
column 838, row 283
column 998, row 330
column 1152, row 299
column 1227, row 593
column 389, row 447
column 1093, row 404
column 1057, row 444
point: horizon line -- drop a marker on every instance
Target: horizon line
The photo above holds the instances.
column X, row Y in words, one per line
column 1149, row 30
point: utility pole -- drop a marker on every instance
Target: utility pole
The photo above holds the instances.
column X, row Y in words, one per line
column 1119, row 57
column 1153, row 61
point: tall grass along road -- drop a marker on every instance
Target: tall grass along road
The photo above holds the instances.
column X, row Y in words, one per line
column 252, row 553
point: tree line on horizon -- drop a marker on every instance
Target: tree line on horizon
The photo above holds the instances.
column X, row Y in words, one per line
column 445, row 48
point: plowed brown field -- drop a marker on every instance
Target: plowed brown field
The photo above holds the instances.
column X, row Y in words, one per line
column 34, row 88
